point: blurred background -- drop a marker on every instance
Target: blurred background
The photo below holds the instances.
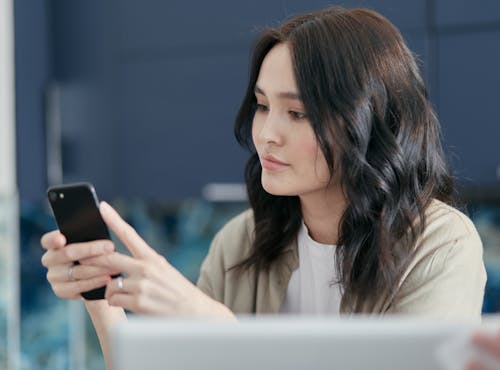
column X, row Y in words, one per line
column 139, row 98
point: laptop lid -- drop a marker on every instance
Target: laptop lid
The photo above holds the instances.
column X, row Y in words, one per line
column 291, row 343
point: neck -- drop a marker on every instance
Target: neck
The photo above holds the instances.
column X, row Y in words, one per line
column 322, row 212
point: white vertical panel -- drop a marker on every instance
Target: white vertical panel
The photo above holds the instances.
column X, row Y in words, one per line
column 7, row 121
column 9, row 209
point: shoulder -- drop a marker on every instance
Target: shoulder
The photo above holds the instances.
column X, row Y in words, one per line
column 242, row 225
column 233, row 242
column 447, row 221
column 447, row 227
column 230, row 246
column 449, row 241
column 445, row 277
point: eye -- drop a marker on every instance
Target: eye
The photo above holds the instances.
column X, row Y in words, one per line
column 297, row 115
column 262, row 107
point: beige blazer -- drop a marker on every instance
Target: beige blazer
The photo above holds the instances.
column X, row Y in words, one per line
column 445, row 279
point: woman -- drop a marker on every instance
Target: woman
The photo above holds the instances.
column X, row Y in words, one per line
column 348, row 188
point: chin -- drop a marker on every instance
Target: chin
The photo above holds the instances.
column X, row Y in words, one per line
column 274, row 188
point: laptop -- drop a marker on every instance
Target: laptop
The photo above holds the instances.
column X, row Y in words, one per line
column 288, row 343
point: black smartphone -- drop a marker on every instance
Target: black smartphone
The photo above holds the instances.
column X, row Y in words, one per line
column 76, row 210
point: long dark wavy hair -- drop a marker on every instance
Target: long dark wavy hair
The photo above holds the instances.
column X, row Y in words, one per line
column 372, row 118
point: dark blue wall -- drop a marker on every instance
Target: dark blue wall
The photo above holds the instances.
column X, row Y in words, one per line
column 33, row 61
column 149, row 89
column 469, row 93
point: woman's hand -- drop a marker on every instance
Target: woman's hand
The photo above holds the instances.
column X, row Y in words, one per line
column 67, row 279
column 490, row 345
column 152, row 285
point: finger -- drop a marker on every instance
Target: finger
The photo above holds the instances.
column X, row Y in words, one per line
column 133, row 303
column 126, row 233
column 474, row 365
column 116, row 286
column 129, row 286
column 488, row 342
column 77, row 251
column 73, row 289
column 59, row 274
column 118, row 262
column 146, row 296
column 53, row 240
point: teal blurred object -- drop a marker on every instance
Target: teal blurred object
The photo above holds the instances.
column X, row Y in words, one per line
column 486, row 218
column 44, row 317
column 198, row 222
column 182, row 233
column 9, row 281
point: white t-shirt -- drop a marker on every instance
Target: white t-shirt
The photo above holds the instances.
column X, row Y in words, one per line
column 311, row 289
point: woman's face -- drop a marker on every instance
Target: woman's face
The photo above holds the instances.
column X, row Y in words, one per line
column 292, row 162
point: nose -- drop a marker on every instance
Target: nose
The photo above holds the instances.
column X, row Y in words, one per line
column 270, row 129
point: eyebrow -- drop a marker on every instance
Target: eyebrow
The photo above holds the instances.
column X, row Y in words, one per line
column 286, row 94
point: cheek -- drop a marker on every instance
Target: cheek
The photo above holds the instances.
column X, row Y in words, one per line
column 322, row 170
column 255, row 130
column 316, row 164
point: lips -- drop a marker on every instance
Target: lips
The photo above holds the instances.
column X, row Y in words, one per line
column 271, row 163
